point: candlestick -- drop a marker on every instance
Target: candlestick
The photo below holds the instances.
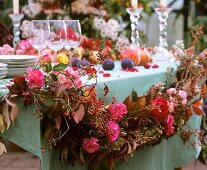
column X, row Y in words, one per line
column 134, row 3
column 134, row 17
column 16, row 19
column 162, row 53
column 163, row 3
column 163, row 16
column 15, row 6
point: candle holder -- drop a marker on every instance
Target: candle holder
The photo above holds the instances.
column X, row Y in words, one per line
column 163, row 13
column 16, row 20
column 134, row 18
column 162, row 54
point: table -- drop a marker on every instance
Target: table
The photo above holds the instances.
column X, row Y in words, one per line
column 168, row 155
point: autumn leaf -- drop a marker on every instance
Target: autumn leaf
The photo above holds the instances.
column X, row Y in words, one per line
column 188, row 113
column 58, row 122
column 6, row 115
column 106, row 89
column 79, row 114
column 129, row 104
column 2, row 148
column 197, row 107
column 14, row 110
column 2, row 124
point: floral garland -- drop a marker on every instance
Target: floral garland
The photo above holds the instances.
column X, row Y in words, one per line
column 87, row 130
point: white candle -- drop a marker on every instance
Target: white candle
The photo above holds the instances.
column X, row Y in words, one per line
column 163, row 3
column 15, row 6
column 134, row 3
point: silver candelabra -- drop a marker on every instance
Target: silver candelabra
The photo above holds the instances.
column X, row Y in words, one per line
column 16, row 20
column 134, row 18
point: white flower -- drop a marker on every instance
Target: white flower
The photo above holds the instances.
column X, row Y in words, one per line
column 32, row 9
column 122, row 43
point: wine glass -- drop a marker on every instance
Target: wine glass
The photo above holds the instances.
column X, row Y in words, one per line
column 55, row 38
column 38, row 29
column 73, row 34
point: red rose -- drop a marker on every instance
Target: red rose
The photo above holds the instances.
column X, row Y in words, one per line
column 160, row 108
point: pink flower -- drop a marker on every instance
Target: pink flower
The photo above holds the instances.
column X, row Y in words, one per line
column 78, row 83
column 171, row 91
column 170, row 106
column 24, row 47
column 169, row 125
column 6, row 49
column 90, row 145
column 182, row 94
column 118, row 110
column 35, row 78
column 72, row 73
column 112, row 131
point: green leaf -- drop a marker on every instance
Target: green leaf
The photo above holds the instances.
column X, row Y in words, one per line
column 48, row 67
column 60, row 67
column 53, row 76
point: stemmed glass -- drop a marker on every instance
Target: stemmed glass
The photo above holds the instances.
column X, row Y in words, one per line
column 73, row 34
column 55, row 39
column 38, row 30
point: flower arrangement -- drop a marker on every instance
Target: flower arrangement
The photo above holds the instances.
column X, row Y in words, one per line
column 88, row 131
column 23, row 47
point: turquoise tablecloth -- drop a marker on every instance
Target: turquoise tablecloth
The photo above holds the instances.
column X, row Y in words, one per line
column 168, row 155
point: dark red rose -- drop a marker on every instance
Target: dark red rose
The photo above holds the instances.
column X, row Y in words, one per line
column 160, row 108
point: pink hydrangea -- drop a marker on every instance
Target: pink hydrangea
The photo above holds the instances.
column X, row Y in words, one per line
column 35, row 78
column 118, row 110
column 112, row 131
column 171, row 91
column 90, row 145
column 169, row 125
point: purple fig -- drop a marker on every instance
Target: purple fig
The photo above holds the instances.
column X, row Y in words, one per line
column 108, row 64
column 127, row 63
column 75, row 61
column 83, row 63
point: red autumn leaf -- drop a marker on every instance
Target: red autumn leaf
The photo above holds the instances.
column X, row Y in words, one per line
column 155, row 66
column 188, row 114
column 91, row 70
column 106, row 89
column 197, row 105
column 106, row 75
column 79, row 114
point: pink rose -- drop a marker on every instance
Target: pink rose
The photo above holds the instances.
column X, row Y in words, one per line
column 118, row 110
column 35, row 78
column 169, row 125
column 112, row 131
column 90, row 145
column 171, row 91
